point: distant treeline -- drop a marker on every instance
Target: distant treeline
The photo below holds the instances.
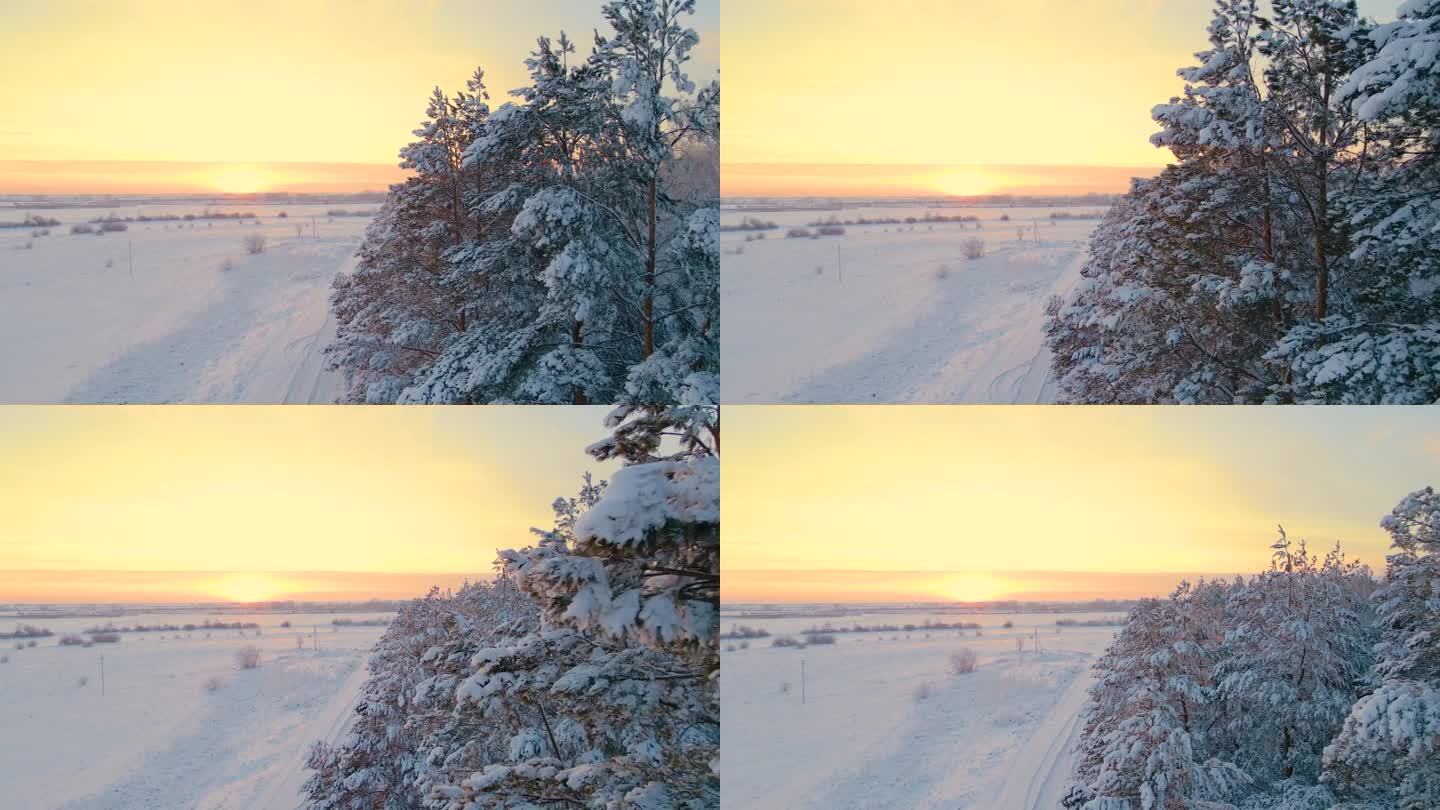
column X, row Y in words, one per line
column 27, row 631
column 1113, row 621
column 750, row 224
column 32, row 221
column 176, row 217
column 173, row 628
column 828, row 628
column 361, row 622
column 925, row 220
column 1081, row 215
column 745, row 631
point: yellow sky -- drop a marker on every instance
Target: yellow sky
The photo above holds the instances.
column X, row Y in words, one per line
column 260, row 81
column 978, row 496
column 276, row 489
column 978, row 83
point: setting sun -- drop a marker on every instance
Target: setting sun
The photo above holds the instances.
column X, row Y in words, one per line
column 970, row 588
column 242, row 180
column 964, row 182
column 247, row 588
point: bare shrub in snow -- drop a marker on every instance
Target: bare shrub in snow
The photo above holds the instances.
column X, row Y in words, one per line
column 1007, row 625
column 81, row 228
column 214, row 683
column 247, row 657
column 974, row 248
column 254, row 243
column 113, row 227
column 831, row 230
column 744, row 645
column 105, row 638
column 963, row 662
column 71, row 641
column 942, row 272
column 820, row 638
column 227, row 265
column 923, row 692
column 786, row 641
column 83, row 682
column 784, row 687
column 1004, row 217
column 798, row 233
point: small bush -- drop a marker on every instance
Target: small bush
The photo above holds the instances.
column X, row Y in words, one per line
column 105, row 638
column 798, row 233
column 1008, row 625
column 83, row 682
column 1004, row 217
column 71, row 641
column 786, row 641
column 214, row 683
column 819, row 270
column 247, row 657
column 963, row 662
column 942, row 272
column 831, row 230
column 82, row 228
column 282, row 215
column 974, row 249
column 113, row 227
column 923, row 692
column 729, row 648
column 744, row 645
column 254, row 244
column 31, row 645
column 820, row 638
column 227, row 265
column 784, row 687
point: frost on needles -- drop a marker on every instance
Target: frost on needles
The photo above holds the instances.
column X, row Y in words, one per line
column 1292, row 252
column 561, row 248
column 586, row 675
column 1303, row 688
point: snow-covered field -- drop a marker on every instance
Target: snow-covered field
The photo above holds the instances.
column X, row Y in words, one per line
column 80, row 325
column 895, row 313
column 863, row 737
column 159, row 737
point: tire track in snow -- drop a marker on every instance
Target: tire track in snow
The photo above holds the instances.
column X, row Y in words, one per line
column 1039, row 771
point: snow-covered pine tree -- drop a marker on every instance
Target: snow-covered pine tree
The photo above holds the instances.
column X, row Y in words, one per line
column 404, row 302
column 598, row 719
column 1383, row 345
column 1288, row 255
column 1297, row 649
column 1388, row 752
column 410, row 695
column 1144, row 740
column 543, row 251
column 644, row 565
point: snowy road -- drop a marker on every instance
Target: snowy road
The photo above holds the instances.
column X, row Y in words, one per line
column 885, row 723
column 173, row 312
column 897, row 314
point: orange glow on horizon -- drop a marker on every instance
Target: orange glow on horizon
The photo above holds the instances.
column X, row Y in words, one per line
column 242, row 180
column 246, row 588
column 964, row 182
column 971, row 588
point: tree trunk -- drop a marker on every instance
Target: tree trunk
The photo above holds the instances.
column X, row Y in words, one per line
column 1322, row 230
column 575, row 338
column 649, row 304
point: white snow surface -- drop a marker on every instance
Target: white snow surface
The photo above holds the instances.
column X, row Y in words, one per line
column 158, row 737
column 895, row 313
column 80, row 326
column 999, row 738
